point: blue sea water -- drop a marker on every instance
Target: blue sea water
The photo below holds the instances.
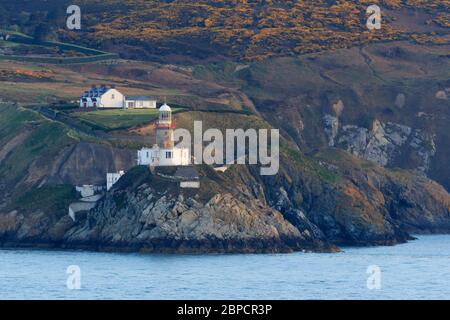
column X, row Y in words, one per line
column 416, row 270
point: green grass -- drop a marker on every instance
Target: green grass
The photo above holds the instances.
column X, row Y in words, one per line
column 118, row 119
column 58, row 60
column 53, row 200
column 309, row 164
column 224, row 72
column 11, row 120
column 45, row 140
column 8, row 44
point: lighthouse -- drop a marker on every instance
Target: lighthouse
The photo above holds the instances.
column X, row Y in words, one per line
column 164, row 152
column 164, row 128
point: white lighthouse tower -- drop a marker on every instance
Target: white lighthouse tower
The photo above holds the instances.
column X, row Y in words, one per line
column 163, row 152
column 164, row 128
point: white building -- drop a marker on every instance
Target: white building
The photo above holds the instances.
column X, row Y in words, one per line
column 164, row 153
column 89, row 190
column 76, row 208
column 140, row 103
column 112, row 178
column 164, row 157
column 102, row 97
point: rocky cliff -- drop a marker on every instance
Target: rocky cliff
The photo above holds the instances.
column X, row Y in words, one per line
column 149, row 212
column 387, row 103
column 238, row 211
column 386, row 144
column 311, row 205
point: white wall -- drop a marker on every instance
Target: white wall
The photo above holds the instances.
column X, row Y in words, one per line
column 190, row 184
column 76, row 207
column 86, row 190
column 89, row 190
column 89, row 103
column 142, row 104
column 180, row 157
column 158, row 157
column 112, row 178
column 112, row 99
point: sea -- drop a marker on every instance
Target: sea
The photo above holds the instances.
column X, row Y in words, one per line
column 419, row 269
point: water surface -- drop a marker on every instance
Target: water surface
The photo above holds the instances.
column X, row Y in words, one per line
column 416, row 270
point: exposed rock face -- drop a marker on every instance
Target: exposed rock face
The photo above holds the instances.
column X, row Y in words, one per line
column 373, row 206
column 241, row 211
column 34, row 230
column 384, row 144
column 331, row 128
column 87, row 163
column 381, row 144
column 250, row 213
column 144, row 218
column 397, row 83
column 418, row 204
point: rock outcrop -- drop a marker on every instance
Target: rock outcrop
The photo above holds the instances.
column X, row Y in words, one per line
column 86, row 163
column 331, row 128
column 371, row 205
column 312, row 206
column 384, row 144
column 153, row 214
column 240, row 211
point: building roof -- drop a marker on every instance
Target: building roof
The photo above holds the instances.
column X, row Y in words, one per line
column 165, row 107
column 140, row 98
column 187, row 173
column 95, row 92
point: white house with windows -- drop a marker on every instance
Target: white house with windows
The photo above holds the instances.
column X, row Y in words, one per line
column 164, row 153
column 102, row 97
column 140, row 103
column 110, row 98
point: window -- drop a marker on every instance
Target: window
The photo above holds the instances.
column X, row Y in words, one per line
column 113, row 96
column 169, row 154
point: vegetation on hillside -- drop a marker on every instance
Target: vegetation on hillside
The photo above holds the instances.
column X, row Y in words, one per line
column 51, row 199
column 250, row 30
column 27, row 139
column 118, row 119
column 240, row 29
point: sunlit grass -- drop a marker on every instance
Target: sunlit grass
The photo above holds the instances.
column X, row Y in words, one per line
column 119, row 118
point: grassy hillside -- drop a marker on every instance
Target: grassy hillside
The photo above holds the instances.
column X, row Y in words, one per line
column 188, row 30
column 256, row 29
column 27, row 140
column 119, row 119
column 52, row 200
